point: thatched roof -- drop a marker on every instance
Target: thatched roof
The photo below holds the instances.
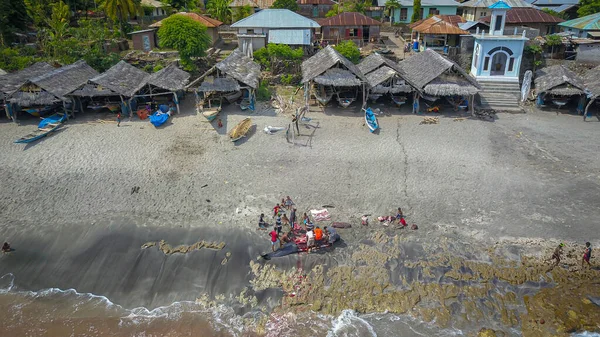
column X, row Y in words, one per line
column 61, row 81
column 241, row 67
column 423, row 68
column 558, row 80
column 13, row 81
column 592, row 82
column 54, row 85
column 219, row 84
column 325, row 59
column 170, row 78
column 374, row 61
column 377, row 77
column 338, row 77
column 122, row 79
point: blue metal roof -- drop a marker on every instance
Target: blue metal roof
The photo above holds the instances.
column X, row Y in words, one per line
column 556, row 3
column 276, row 18
column 500, row 5
column 290, row 36
column 589, row 22
column 560, row 8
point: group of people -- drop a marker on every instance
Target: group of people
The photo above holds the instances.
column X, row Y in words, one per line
column 314, row 236
column 587, row 254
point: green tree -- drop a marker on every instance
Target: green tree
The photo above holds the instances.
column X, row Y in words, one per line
column 391, row 6
column 416, row 11
column 555, row 13
column 588, row 7
column 179, row 4
column 534, row 50
column 350, row 50
column 553, row 41
column 13, row 17
column 241, row 12
column 38, row 11
column 119, row 10
column 186, row 35
column 286, row 4
column 220, row 10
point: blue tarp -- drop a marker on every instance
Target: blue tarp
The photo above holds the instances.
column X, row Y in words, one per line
column 163, row 108
column 158, row 118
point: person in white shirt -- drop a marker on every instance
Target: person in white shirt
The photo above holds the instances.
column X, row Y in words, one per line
column 310, row 239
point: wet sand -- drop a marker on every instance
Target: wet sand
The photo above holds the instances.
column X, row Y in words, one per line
column 71, row 208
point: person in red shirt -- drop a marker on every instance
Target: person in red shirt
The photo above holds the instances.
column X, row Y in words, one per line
column 276, row 210
column 403, row 222
column 274, row 238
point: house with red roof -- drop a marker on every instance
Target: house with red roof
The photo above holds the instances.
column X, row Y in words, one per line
column 531, row 18
column 350, row 26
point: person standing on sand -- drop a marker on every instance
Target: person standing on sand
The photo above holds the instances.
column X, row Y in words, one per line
column 557, row 254
column 261, row 222
column 399, row 214
column 274, row 238
column 310, row 240
column 587, row 254
column 293, row 216
column 288, row 203
column 276, row 210
column 119, row 119
column 278, row 225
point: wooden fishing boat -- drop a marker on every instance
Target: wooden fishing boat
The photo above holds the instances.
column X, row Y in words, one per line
column 39, row 111
column 398, row 100
column 240, row 130
column 322, row 95
column 371, row 120
column 46, row 126
column 374, row 97
column 211, row 107
column 429, row 97
column 560, row 102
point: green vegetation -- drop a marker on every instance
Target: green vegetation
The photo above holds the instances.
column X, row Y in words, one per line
column 286, row 4
column 241, row 12
column 349, row 6
column 220, row 10
column 119, row 10
column 416, row 11
column 13, row 17
column 13, row 59
column 263, row 93
column 535, row 51
column 288, row 79
column 391, row 6
column 350, row 50
column 588, row 7
column 553, row 41
column 279, row 58
column 187, row 36
column 555, row 13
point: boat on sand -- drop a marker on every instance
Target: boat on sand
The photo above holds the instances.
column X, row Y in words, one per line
column 46, row 126
column 240, row 130
column 371, row 120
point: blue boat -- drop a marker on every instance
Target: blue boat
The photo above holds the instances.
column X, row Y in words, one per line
column 371, row 120
column 46, row 126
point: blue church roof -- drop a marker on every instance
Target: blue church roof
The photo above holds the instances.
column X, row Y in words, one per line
column 500, row 5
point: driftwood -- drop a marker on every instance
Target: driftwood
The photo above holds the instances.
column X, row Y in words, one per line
column 430, row 120
column 279, row 103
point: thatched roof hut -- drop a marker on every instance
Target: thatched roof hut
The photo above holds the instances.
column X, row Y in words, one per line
column 240, row 67
column 170, row 78
column 379, row 77
column 122, row 79
column 329, row 67
column 11, row 82
column 558, row 80
column 219, row 84
column 375, row 61
column 52, row 87
column 432, row 74
column 591, row 81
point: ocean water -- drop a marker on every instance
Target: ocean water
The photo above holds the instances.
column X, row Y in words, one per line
column 57, row 312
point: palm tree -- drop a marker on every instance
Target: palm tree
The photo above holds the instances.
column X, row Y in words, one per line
column 391, row 6
column 119, row 10
column 219, row 9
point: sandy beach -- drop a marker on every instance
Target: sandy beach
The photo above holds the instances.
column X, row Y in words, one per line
column 492, row 199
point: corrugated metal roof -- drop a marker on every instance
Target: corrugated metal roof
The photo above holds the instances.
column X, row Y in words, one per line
column 589, row 22
column 527, row 15
column 555, row 2
column 435, row 25
column 424, row 3
column 452, row 19
column 560, row 8
column 290, row 36
column 205, row 20
column 488, row 3
column 470, row 24
column 316, row 2
column 276, row 18
column 349, row 19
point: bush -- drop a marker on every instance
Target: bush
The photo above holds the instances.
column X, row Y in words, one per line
column 148, row 68
column 263, row 93
column 279, row 58
column 157, row 68
column 288, row 79
column 350, row 51
column 261, row 57
column 13, row 59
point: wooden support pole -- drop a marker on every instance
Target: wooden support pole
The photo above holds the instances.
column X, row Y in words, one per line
column 65, row 109
column 472, row 104
column 176, row 101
